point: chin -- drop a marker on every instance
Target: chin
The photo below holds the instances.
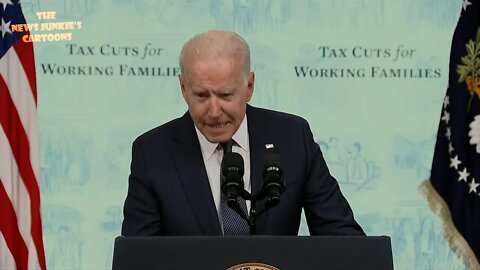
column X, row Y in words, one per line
column 219, row 138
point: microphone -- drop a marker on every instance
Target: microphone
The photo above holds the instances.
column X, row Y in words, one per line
column 232, row 182
column 273, row 184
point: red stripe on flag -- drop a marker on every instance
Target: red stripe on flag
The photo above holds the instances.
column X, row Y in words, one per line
column 11, row 233
column 18, row 140
column 25, row 54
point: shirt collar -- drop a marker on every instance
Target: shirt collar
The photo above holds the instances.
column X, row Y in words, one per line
column 240, row 137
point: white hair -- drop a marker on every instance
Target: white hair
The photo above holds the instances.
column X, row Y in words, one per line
column 214, row 44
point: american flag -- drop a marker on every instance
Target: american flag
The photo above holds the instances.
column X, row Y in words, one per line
column 453, row 190
column 21, row 243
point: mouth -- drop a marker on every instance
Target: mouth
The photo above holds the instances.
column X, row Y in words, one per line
column 219, row 125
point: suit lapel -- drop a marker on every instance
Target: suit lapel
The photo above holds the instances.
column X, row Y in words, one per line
column 257, row 136
column 191, row 169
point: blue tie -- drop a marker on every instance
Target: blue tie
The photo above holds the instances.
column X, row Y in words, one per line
column 233, row 223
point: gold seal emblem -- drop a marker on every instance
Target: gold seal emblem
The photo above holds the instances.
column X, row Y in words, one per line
column 252, row 266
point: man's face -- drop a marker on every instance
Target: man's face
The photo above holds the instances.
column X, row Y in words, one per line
column 216, row 92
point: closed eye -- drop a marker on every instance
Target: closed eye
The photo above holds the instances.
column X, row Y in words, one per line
column 227, row 94
column 201, row 95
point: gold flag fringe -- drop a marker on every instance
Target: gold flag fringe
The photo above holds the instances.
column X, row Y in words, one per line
column 455, row 240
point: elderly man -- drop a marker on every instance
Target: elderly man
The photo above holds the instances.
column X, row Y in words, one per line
column 175, row 180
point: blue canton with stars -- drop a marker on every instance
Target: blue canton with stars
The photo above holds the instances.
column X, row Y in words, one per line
column 10, row 14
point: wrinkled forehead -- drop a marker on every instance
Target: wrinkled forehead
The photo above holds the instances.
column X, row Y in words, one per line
column 220, row 72
column 221, row 61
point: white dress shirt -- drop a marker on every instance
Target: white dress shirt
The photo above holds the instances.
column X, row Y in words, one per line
column 212, row 157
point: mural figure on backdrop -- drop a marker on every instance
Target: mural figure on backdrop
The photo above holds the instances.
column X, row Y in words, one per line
column 419, row 242
column 424, row 245
column 403, row 241
column 63, row 239
column 65, row 163
column 111, row 225
column 269, row 94
column 334, row 152
column 114, row 159
column 414, row 156
column 349, row 165
column 356, row 165
column 248, row 15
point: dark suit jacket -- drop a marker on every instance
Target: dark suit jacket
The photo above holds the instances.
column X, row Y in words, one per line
column 169, row 192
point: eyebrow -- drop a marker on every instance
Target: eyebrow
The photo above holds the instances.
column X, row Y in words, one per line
column 221, row 91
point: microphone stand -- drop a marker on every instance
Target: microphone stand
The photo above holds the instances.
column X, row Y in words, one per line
column 252, row 217
column 253, row 214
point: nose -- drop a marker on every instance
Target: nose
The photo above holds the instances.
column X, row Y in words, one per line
column 214, row 108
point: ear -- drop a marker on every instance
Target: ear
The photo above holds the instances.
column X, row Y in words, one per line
column 250, row 85
column 181, row 79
